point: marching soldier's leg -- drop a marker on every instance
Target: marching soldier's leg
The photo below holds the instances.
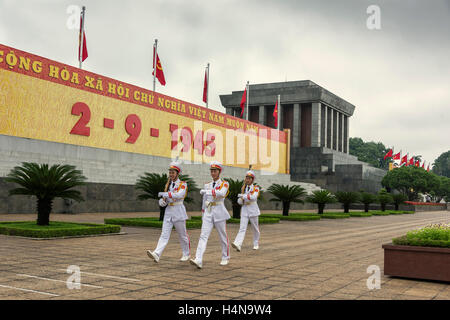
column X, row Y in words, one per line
column 204, row 235
column 256, row 233
column 241, row 234
column 164, row 238
column 185, row 243
column 222, row 230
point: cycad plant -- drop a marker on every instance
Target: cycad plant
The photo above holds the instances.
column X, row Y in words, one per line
column 347, row 198
column 367, row 198
column 398, row 199
column 152, row 183
column 235, row 188
column 46, row 183
column 384, row 198
column 321, row 197
column 286, row 194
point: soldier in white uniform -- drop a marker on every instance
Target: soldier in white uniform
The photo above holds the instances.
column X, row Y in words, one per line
column 214, row 214
column 175, row 215
column 249, row 211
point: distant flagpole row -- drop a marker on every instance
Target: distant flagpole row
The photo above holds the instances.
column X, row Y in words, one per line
column 159, row 74
column 404, row 160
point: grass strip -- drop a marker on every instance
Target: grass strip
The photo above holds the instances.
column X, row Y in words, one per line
column 55, row 229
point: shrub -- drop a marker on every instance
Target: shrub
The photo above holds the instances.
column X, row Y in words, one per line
column 55, row 229
column 347, row 198
column 367, row 198
column 434, row 235
column 398, row 199
column 286, row 194
column 46, row 184
column 321, row 197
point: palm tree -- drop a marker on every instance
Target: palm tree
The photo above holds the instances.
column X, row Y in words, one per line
column 347, row 198
column 153, row 183
column 321, row 197
column 286, row 194
column 384, row 198
column 367, row 199
column 235, row 188
column 398, row 199
column 46, row 184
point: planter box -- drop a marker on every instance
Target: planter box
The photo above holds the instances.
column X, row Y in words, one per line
column 429, row 263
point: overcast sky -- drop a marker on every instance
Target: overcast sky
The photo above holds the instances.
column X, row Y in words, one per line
column 398, row 77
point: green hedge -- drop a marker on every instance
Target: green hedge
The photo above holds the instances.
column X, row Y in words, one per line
column 55, row 229
column 333, row 215
column 152, row 222
column 293, row 216
column 404, row 241
column 261, row 220
column 360, row 214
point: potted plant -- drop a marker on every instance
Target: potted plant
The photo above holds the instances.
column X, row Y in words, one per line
column 420, row 254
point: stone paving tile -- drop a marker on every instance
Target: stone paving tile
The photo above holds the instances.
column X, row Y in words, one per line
column 297, row 260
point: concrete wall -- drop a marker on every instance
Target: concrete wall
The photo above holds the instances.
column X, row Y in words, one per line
column 111, row 176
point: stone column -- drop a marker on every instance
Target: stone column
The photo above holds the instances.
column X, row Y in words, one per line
column 338, row 130
column 346, row 137
column 315, row 124
column 262, row 115
column 323, row 126
column 341, row 132
column 296, row 126
column 329, row 128
column 335, row 131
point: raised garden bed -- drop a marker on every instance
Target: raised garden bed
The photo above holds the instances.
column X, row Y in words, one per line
column 420, row 254
column 55, row 229
column 152, row 222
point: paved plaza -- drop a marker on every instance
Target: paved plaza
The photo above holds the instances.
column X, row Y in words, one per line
column 297, row 260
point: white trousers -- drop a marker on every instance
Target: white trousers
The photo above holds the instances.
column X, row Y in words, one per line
column 180, row 227
column 207, row 227
column 243, row 228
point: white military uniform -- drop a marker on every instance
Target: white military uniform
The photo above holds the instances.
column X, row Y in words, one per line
column 249, row 212
column 175, row 215
column 214, row 215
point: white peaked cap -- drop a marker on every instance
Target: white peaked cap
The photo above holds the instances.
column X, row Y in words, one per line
column 176, row 166
column 250, row 173
column 216, row 165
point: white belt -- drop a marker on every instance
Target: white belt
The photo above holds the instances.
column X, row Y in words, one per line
column 175, row 203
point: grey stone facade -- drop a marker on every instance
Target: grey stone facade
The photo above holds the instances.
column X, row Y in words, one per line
column 319, row 122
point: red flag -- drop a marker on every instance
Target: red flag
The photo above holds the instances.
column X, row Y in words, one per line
column 205, row 89
column 275, row 115
column 423, row 165
column 159, row 70
column 82, row 57
column 404, row 159
column 417, row 164
column 244, row 98
column 428, row 168
column 411, row 162
column 396, row 156
column 389, row 154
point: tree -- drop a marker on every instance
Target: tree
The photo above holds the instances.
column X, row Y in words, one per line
column 384, row 198
column 398, row 199
column 441, row 165
column 286, row 194
column 442, row 191
column 347, row 198
column 367, row 198
column 321, row 197
column 235, row 188
column 410, row 181
column 46, row 184
column 370, row 152
column 153, row 183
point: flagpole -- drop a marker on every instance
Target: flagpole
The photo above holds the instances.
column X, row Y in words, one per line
column 80, row 53
column 248, row 90
column 207, row 84
column 155, row 47
column 278, row 113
